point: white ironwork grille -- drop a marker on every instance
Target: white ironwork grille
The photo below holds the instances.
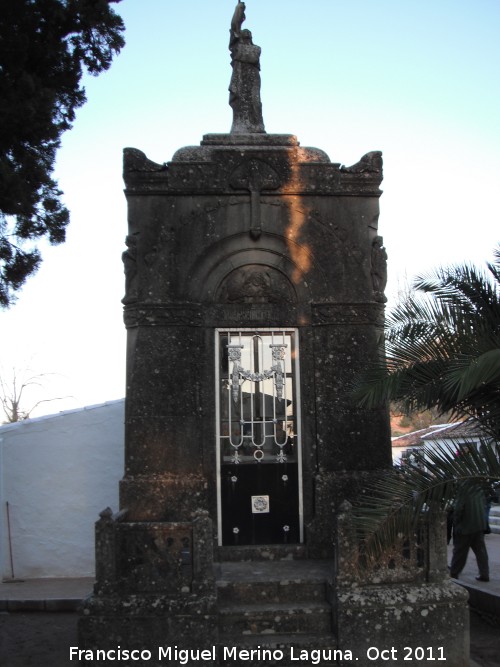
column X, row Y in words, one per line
column 257, row 417
column 259, row 481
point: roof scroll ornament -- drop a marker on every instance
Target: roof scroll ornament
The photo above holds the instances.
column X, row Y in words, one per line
column 244, row 88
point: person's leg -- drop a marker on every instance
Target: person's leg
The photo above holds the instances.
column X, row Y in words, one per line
column 460, row 551
column 478, row 546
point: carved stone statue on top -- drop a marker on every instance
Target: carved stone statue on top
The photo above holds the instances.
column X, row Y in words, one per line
column 244, row 89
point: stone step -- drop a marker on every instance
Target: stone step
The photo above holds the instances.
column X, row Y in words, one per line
column 282, row 650
column 266, row 619
column 250, row 572
column 278, row 581
column 263, row 601
column 276, row 592
column 268, row 553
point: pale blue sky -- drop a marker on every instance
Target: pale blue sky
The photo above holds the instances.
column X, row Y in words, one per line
column 418, row 80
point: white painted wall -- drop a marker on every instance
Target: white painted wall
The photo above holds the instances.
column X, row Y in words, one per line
column 447, row 443
column 57, row 473
column 397, row 453
column 434, row 445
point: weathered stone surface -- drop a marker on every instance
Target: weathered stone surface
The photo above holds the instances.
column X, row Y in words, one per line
column 405, row 601
column 426, row 622
column 155, row 585
column 261, row 234
column 247, row 232
column 252, row 232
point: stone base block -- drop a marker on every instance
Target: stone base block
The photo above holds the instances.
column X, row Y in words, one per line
column 155, row 588
column 423, row 624
column 147, row 623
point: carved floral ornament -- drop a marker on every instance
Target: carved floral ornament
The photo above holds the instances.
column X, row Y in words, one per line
column 255, row 283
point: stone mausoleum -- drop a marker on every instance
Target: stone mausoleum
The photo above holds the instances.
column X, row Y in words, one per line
column 255, row 278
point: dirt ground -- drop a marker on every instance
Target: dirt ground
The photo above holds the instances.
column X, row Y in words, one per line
column 43, row 640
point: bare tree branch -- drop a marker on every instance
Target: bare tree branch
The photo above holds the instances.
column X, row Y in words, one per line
column 13, row 391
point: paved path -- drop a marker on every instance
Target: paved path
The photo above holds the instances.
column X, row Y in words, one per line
column 44, row 594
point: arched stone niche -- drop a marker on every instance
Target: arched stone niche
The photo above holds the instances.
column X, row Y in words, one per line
column 226, row 269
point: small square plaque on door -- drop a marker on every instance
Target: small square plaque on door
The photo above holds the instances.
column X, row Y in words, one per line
column 260, row 505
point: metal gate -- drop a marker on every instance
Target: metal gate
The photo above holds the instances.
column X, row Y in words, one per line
column 258, row 437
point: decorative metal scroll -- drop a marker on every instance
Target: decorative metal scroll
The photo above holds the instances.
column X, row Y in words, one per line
column 276, row 370
column 253, row 431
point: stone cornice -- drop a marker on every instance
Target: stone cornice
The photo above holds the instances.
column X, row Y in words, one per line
column 208, row 169
column 231, row 315
column 154, row 315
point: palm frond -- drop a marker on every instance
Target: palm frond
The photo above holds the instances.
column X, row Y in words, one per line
column 399, row 500
column 494, row 267
column 442, row 347
column 468, row 375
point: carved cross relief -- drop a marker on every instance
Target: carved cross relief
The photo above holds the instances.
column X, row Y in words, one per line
column 255, row 176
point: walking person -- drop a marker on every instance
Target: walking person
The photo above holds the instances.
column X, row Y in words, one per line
column 469, row 524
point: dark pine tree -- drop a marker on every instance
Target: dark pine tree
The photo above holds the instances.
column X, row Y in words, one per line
column 45, row 46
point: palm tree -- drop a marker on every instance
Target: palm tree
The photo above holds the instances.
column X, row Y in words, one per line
column 442, row 351
column 442, row 347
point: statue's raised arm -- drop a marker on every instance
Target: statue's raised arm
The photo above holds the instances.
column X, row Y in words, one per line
column 236, row 23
